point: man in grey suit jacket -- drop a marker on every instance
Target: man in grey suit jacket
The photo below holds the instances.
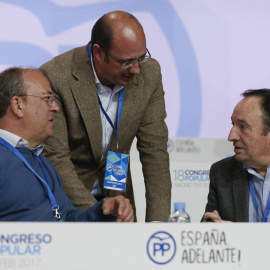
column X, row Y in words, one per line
column 115, row 58
column 240, row 185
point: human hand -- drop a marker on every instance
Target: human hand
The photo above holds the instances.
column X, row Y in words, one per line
column 213, row 217
column 120, row 207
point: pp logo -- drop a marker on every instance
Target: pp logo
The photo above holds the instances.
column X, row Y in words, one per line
column 109, row 167
column 161, row 247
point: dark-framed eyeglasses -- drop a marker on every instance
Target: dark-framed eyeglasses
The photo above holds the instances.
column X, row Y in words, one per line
column 50, row 97
column 131, row 62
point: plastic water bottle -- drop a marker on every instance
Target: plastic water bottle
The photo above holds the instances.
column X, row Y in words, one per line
column 179, row 215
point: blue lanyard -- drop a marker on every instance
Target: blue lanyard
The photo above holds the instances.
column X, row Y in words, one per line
column 120, row 104
column 255, row 203
column 55, row 206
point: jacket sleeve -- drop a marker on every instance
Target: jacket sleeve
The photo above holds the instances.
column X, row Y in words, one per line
column 212, row 199
column 58, row 148
column 152, row 138
column 93, row 214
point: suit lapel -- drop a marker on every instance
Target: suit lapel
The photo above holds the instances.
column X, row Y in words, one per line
column 241, row 193
column 130, row 106
column 131, row 100
column 85, row 95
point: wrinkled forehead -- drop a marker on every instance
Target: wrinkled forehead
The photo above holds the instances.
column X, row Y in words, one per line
column 252, row 103
column 37, row 82
column 248, row 107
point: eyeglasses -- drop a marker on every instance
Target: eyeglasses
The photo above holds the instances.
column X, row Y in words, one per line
column 130, row 63
column 50, row 97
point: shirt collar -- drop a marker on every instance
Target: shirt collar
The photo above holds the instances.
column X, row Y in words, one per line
column 253, row 172
column 17, row 141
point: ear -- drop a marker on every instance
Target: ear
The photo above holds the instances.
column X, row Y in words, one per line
column 97, row 52
column 17, row 105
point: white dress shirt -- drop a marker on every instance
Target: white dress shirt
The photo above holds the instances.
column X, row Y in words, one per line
column 109, row 100
column 17, row 141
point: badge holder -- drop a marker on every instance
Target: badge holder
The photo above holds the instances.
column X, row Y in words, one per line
column 116, row 171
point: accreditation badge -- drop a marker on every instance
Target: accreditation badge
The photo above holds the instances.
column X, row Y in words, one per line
column 116, row 171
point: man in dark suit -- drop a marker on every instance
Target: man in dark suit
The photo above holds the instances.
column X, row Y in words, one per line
column 240, row 185
column 115, row 76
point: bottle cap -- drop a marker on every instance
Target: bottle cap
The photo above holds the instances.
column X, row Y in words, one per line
column 179, row 205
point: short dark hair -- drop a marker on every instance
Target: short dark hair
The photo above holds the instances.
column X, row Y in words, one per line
column 264, row 94
column 102, row 32
column 11, row 84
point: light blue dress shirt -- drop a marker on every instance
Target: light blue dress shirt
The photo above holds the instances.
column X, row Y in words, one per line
column 17, row 141
column 262, row 191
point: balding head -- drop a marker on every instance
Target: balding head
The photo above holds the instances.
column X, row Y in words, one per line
column 113, row 24
column 117, row 39
column 28, row 107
